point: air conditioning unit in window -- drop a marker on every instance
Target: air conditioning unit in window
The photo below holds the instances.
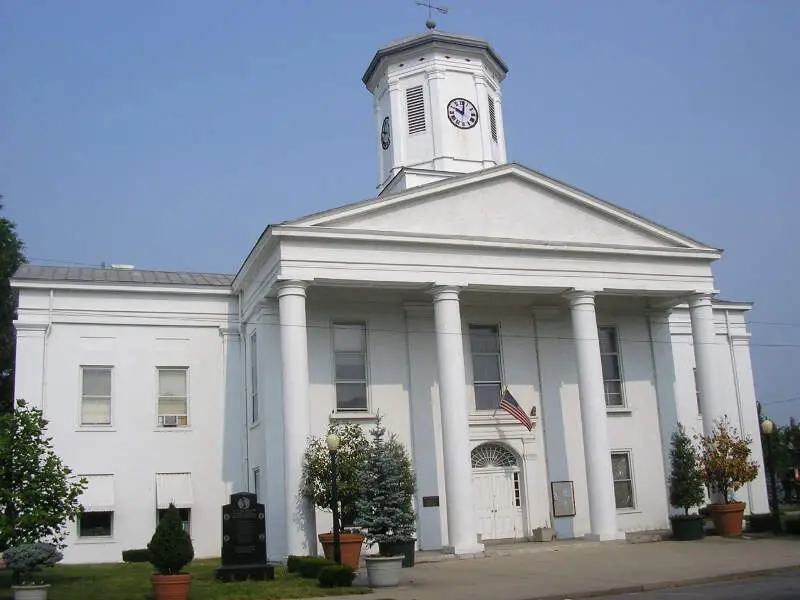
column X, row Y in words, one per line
column 169, row 421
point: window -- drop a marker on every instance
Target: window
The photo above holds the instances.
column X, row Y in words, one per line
column 257, row 482
column 492, row 118
column 623, row 481
column 697, row 391
column 517, row 494
column 350, row 356
column 96, row 524
column 96, row 396
column 172, row 397
column 486, row 378
column 186, row 517
column 415, row 106
column 254, row 377
column 612, row 375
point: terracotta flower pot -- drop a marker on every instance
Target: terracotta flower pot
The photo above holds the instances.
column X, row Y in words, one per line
column 727, row 518
column 350, row 544
column 171, row 587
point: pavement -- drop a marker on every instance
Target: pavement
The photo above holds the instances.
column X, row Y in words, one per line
column 573, row 569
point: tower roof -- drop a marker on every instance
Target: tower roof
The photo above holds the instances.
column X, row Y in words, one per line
column 431, row 37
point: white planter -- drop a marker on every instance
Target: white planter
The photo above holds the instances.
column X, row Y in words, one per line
column 30, row 592
column 383, row 571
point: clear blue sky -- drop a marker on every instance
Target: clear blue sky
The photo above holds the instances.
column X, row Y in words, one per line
column 169, row 134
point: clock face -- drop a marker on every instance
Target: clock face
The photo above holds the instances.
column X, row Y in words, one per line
column 462, row 113
column 386, row 137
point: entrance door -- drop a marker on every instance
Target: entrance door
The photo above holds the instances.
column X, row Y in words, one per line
column 497, row 492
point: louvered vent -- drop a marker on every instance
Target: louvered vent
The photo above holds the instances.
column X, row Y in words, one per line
column 492, row 119
column 415, row 104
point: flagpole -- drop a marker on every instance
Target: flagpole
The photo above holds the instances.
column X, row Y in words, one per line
column 498, row 403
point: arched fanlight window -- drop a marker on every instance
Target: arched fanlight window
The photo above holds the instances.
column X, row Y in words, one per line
column 487, row 456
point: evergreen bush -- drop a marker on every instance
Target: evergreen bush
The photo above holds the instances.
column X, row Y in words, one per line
column 387, row 481
column 26, row 559
column 170, row 547
column 136, row 555
column 336, row 576
column 308, row 567
column 686, row 478
column 292, row 563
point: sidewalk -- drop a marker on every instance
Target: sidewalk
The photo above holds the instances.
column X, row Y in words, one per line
column 586, row 569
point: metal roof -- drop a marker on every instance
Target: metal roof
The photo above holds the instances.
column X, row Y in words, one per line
column 127, row 276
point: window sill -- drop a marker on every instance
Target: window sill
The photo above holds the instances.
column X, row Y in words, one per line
column 629, row 511
column 170, row 429
column 486, row 418
column 96, row 540
column 619, row 410
column 353, row 416
column 94, row 428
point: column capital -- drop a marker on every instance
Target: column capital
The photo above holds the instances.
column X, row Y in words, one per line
column 393, row 84
column 435, row 74
column 30, row 328
column 700, row 299
column 580, row 297
column 658, row 315
column 291, row 287
column 229, row 331
column 444, row 292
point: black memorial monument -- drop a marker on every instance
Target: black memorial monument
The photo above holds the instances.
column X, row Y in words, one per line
column 244, row 540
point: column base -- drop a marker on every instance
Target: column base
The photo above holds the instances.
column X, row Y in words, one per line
column 605, row 537
column 469, row 551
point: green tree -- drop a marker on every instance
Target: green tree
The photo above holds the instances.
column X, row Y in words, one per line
column 39, row 494
column 170, row 547
column 686, row 478
column 387, row 482
column 11, row 258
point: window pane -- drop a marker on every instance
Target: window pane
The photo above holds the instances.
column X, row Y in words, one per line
column 96, row 382
column 608, row 339
column 348, row 338
column 350, row 366
column 486, row 368
column 613, row 391
column 96, row 411
column 351, row 396
column 610, row 364
column 172, row 382
column 623, row 494
column 171, row 406
column 487, row 396
column 620, row 467
column 95, row 524
column 483, row 339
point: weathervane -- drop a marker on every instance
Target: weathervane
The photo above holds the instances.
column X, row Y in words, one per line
column 430, row 23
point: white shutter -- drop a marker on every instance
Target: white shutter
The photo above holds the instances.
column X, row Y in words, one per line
column 175, row 488
column 99, row 494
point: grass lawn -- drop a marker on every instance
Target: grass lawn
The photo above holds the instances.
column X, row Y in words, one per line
column 132, row 582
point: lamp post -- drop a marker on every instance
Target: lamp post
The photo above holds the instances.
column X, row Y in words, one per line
column 768, row 428
column 333, row 441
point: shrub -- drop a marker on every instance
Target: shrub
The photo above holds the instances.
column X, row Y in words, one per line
column 685, row 479
column 137, row 555
column 170, row 547
column 792, row 526
column 309, row 566
column 725, row 461
column 293, row 562
column 336, row 576
column 26, row 559
column 760, row 522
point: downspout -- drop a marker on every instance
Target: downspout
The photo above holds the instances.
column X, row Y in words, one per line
column 243, row 373
column 737, row 391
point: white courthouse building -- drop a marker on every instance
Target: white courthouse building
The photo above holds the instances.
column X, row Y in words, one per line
column 464, row 276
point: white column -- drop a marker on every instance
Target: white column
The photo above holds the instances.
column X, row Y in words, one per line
column 234, row 465
column 461, row 521
column 704, row 337
column 300, row 525
column 29, row 371
column 597, row 454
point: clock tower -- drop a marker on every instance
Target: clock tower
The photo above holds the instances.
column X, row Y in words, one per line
column 438, row 110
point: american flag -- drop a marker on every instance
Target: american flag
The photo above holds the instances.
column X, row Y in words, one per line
column 512, row 407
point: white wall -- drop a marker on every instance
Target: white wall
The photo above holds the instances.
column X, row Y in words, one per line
column 157, row 331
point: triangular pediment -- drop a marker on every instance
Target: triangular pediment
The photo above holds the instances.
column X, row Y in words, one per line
column 507, row 202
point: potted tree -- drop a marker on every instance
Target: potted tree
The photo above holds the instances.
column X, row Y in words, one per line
column 726, row 466
column 25, row 560
column 317, row 485
column 170, row 551
column 685, row 487
column 385, row 508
